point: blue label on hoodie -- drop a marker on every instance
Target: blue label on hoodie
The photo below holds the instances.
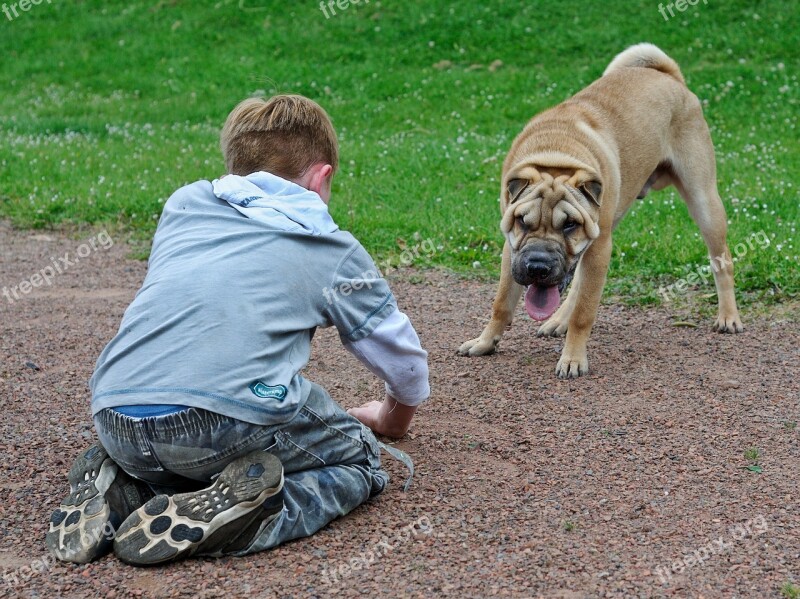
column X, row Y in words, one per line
column 265, row 391
column 247, row 201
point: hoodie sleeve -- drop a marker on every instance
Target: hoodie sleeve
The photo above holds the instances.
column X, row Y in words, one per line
column 359, row 303
column 358, row 298
column 393, row 353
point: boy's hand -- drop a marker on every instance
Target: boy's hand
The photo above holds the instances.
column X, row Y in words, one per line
column 389, row 418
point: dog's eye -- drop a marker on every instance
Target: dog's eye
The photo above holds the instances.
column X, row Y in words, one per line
column 570, row 225
column 521, row 222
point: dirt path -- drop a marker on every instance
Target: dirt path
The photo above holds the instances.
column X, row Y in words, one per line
column 533, row 487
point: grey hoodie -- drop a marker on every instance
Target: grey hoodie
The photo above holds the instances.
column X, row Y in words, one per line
column 225, row 316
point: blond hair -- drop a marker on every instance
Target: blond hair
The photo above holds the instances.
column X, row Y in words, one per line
column 284, row 135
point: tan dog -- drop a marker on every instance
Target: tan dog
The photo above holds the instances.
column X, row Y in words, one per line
column 570, row 177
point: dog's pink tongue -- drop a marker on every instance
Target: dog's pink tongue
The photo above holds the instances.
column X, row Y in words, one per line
column 542, row 302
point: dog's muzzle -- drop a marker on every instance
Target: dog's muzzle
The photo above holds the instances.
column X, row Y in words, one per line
column 543, row 264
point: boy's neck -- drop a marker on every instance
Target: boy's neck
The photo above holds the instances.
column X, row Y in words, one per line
column 318, row 179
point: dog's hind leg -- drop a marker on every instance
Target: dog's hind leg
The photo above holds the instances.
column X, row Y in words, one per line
column 694, row 174
column 506, row 300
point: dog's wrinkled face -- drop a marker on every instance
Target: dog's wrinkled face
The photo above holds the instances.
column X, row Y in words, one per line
column 548, row 223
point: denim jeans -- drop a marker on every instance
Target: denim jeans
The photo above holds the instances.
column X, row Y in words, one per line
column 331, row 461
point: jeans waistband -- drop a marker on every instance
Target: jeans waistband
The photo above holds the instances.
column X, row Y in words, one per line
column 185, row 421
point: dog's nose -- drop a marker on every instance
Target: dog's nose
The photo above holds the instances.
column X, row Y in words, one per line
column 537, row 268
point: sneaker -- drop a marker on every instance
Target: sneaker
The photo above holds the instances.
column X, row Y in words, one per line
column 213, row 521
column 101, row 496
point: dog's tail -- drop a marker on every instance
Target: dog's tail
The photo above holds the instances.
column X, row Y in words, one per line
column 646, row 56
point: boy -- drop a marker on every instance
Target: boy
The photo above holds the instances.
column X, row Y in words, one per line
column 211, row 442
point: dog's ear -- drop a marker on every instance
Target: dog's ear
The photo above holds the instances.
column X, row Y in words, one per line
column 515, row 188
column 592, row 190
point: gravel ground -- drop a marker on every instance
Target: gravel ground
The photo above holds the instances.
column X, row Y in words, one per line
column 630, row 482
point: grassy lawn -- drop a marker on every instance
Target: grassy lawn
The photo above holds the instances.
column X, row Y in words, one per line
column 109, row 107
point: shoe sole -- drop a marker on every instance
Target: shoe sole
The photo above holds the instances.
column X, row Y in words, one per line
column 170, row 528
column 81, row 529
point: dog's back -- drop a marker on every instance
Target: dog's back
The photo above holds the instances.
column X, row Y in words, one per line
column 640, row 98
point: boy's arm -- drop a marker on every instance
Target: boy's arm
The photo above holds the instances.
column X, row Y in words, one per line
column 360, row 304
column 393, row 353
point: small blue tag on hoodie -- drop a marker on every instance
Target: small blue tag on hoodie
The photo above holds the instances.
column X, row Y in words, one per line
column 247, row 201
column 265, row 391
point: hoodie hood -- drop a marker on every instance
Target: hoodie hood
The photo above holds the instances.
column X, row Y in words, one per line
column 276, row 202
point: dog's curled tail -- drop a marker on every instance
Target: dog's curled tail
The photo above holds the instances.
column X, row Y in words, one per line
column 646, row 56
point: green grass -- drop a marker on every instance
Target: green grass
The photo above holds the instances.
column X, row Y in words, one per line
column 109, row 107
column 790, row 591
column 752, row 454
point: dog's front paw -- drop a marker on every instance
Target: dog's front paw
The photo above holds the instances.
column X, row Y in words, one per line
column 478, row 347
column 571, row 367
column 553, row 327
column 728, row 324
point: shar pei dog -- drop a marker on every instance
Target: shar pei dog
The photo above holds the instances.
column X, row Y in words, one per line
column 571, row 176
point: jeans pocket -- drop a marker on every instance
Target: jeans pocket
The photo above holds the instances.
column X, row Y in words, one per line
column 372, row 447
column 338, row 424
column 380, row 478
column 292, row 455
